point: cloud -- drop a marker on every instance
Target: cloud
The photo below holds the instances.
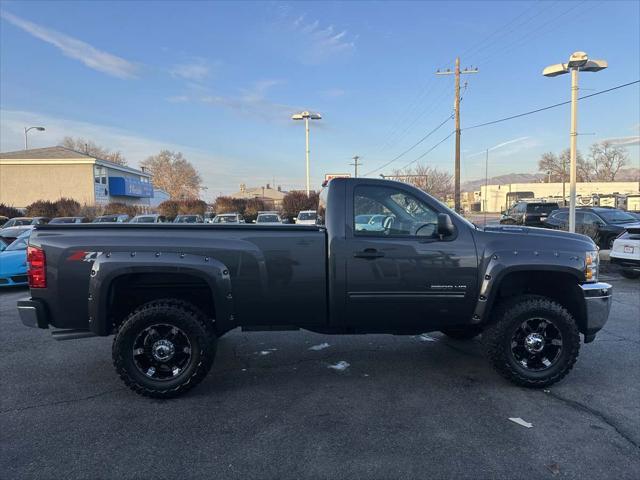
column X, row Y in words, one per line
column 178, row 99
column 515, row 145
column 220, row 174
column 197, row 71
column 333, row 93
column 623, row 141
column 253, row 102
column 77, row 49
column 322, row 43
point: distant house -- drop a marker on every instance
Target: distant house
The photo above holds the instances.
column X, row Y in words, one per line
column 54, row 172
column 270, row 196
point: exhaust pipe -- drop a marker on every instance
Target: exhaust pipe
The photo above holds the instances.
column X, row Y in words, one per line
column 71, row 334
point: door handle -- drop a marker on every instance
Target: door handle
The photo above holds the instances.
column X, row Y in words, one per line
column 369, row 253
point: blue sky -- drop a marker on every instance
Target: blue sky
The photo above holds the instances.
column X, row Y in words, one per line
column 219, row 81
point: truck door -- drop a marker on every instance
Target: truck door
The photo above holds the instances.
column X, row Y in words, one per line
column 400, row 276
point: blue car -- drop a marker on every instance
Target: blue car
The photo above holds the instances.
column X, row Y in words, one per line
column 13, row 262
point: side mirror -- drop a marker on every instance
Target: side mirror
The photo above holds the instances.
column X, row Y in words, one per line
column 445, row 225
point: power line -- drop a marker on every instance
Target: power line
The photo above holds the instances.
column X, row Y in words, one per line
column 411, row 147
column 430, row 150
column 550, row 106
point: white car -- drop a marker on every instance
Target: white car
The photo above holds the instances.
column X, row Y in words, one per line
column 228, row 218
column 268, row 218
column 307, row 217
column 626, row 252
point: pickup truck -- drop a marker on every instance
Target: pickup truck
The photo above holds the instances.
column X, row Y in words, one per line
column 167, row 292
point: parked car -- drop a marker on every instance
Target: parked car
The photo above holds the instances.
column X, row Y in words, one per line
column 532, row 214
column 307, row 217
column 13, row 261
column 188, row 219
column 371, row 223
column 268, row 218
column 626, row 252
column 228, row 218
column 69, row 220
column 112, row 218
column 168, row 292
column 10, row 234
column 18, row 222
column 150, row 218
column 602, row 224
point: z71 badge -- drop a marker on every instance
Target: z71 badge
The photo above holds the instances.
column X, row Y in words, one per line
column 83, row 256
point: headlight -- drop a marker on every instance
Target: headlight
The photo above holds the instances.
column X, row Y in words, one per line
column 592, row 262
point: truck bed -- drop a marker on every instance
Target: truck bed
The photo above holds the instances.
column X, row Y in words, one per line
column 278, row 273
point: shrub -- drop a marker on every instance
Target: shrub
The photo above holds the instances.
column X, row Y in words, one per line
column 251, row 209
column 41, row 208
column 296, row 201
column 169, row 208
column 90, row 211
column 8, row 211
column 119, row 207
column 198, row 207
column 67, row 207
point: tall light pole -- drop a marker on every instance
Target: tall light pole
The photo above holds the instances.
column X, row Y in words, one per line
column 306, row 116
column 578, row 62
column 26, row 130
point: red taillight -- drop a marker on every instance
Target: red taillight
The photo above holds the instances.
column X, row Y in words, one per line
column 37, row 270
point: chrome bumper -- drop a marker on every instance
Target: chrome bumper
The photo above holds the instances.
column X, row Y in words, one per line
column 597, row 298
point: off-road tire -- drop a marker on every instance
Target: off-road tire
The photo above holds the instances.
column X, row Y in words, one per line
column 173, row 312
column 509, row 316
column 463, row 333
column 628, row 273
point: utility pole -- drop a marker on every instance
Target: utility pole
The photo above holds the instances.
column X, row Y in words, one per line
column 456, row 106
column 355, row 165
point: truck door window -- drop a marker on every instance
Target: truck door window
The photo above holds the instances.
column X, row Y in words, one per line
column 382, row 211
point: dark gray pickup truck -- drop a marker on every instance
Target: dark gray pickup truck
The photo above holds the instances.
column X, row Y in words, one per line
column 389, row 259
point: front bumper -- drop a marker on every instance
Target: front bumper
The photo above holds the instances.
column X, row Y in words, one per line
column 33, row 313
column 623, row 262
column 598, row 298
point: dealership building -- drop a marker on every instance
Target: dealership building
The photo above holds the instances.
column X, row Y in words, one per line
column 55, row 172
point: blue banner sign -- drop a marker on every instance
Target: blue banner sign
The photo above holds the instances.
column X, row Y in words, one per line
column 129, row 187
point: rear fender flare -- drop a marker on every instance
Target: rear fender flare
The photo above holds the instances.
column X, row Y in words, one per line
column 111, row 265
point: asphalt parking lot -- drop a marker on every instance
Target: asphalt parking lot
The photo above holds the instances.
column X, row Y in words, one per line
column 272, row 407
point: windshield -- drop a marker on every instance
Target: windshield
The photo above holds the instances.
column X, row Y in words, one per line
column 225, row 219
column 307, row 216
column 16, row 222
column 268, row 219
column 19, row 243
column 617, row 216
column 145, row 219
column 187, row 219
column 541, row 207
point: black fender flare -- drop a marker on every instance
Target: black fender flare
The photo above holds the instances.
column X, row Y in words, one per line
column 111, row 265
column 500, row 264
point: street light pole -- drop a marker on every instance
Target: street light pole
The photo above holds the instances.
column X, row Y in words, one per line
column 578, row 61
column 26, row 130
column 306, row 128
column 573, row 148
column 306, row 116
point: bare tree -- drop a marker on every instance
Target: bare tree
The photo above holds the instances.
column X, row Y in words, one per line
column 607, row 159
column 174, row 174
column 90, row 148
column 556, row 167
column 432, row 180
